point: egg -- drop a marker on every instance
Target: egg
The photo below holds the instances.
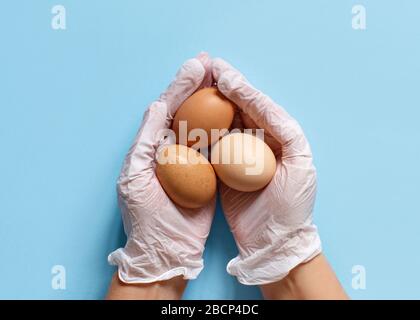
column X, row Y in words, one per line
column 186, row 176
column 243, row 162
column 206, row 109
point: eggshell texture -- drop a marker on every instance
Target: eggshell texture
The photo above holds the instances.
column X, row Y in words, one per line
column 206, row 109
column 243, row 162
column 186, row 176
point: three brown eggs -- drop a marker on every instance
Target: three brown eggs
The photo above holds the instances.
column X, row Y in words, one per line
column 242, row 161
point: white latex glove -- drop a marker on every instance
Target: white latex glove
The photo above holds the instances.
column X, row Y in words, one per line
column 272, row 227
column 163, row 240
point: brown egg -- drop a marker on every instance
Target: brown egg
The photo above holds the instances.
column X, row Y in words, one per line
column 186, row 176
column 206, row 109
column 243, row 162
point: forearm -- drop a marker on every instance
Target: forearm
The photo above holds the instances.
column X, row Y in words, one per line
column 171, row 289
column 314, row 280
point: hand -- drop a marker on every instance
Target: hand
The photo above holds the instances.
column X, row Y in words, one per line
column 272, row 227
column 163, row 240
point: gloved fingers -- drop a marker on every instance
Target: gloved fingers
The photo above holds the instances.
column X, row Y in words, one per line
column 261, row 109
column 187, row 80
column 268, row 138
column 206, row 61
column 158, row 117
column 140, row 159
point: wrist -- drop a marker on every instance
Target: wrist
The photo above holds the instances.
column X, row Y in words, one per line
column 171, row 289
column 308, row 281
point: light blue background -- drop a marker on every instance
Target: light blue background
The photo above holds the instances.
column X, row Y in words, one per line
column 71, row 102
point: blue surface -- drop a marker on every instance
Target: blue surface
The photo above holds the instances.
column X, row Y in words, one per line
column 71, row 102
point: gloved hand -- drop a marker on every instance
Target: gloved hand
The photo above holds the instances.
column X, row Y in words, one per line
column 272, row 227
column 163, row 240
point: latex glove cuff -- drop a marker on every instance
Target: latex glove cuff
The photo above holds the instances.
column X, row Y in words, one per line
column 274, row 262
column 130, row 269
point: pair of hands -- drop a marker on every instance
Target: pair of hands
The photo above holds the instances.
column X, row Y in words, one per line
column 272, row 227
